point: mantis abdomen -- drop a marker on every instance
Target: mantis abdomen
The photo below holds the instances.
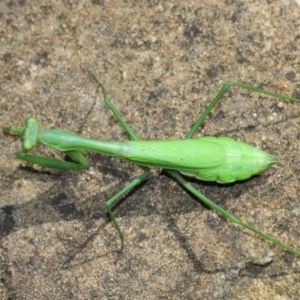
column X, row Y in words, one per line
column 220, row 159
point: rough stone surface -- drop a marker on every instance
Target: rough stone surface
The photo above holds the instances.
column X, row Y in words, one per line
column 162, row 62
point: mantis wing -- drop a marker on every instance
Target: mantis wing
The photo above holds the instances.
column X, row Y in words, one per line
column 190, row 154
column 208, row 158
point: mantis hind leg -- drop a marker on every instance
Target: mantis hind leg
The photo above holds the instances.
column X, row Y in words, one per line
column 220, row 95
column 178, row 177
column 226, row 214
column 199, row 195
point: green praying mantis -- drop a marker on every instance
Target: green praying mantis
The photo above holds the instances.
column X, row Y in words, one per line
column 220, row 159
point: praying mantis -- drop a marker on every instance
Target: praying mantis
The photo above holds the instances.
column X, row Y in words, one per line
column 220, row 159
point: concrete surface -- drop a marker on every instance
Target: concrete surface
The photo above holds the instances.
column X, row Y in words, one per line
column 162, row 62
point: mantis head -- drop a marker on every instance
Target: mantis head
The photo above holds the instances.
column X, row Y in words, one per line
column 29, row 134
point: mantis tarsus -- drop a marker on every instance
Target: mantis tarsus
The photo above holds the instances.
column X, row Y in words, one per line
column 219, row 159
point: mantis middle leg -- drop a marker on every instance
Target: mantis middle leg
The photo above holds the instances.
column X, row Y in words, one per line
column 136, row 181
